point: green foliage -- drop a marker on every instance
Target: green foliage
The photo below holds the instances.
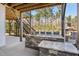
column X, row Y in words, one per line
column 69, row 19
column 47, row 27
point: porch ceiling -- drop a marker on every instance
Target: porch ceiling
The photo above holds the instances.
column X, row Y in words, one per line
column 30, row 6
column 21, row 7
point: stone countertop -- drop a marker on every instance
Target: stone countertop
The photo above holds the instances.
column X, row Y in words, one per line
column 46, row 36
column 59, row 46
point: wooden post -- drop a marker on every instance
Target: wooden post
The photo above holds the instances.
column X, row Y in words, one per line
column 30, row 23
column 16, row 28
column 63, row 18
column 78, row 25
column 63, row 21
column 21, row 27
column 9, row 27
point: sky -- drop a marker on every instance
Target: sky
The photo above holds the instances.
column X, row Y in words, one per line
column 71, row 9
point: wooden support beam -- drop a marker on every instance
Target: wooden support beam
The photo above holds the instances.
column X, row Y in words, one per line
column 21, row 27
column 30, row 23
column 11, row 13
column 38, row 6
column 16, row 29
column 25, row 5
column 78, row 26
column 63, row 19
column 9, row 27
column 15, row 4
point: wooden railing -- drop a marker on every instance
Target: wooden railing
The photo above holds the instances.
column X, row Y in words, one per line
column 26, row 27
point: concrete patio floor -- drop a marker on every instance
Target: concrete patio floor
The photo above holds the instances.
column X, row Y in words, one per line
column 14, row 47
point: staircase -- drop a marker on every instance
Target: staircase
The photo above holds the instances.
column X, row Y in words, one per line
column 27, row 29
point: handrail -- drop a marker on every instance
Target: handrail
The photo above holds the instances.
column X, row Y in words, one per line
column 29, row 26
column 18, row 22
column 25, row 25
column 25, row 30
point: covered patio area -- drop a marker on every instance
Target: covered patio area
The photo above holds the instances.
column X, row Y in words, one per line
column 33, row 34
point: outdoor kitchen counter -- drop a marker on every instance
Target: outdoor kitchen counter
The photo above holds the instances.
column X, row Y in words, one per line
column 46, row 36
column 33, row 40
column 59, row 46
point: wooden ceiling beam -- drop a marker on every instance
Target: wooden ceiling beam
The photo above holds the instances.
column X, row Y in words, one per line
column 25, row 5
column 39, row 6
column 15, row 4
